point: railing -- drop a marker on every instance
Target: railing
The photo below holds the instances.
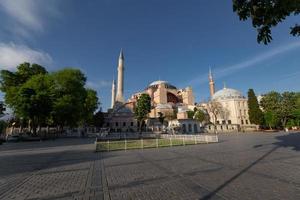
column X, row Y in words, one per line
column 198, row 138
column 164, row 141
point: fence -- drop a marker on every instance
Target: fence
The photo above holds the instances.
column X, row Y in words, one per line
column 164, row 141
column 198, row 138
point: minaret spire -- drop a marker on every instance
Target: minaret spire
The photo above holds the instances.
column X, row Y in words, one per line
column 120, row 83
column 113, row 93
column 211, row 83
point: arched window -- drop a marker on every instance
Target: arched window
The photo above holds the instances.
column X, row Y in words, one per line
column 190, row 128
column 195, row 128
column 183, row 128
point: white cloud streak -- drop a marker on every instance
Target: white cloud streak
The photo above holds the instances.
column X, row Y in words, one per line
column 99, row 84
column 24, row 12
column 25, row 16
column 247, row 63
column 11, row 55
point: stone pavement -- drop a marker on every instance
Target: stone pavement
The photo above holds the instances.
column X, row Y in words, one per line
column 246, row 166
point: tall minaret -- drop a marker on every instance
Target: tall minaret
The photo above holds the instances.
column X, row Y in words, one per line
column 211, row 83
column 120, row 89
column 113, row 94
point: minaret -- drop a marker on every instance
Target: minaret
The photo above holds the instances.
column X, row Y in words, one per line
column 120, row 89
column 211, row 83
column 113, row 94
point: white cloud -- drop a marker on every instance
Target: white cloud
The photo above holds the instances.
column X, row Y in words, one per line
column 99, row 84
column 252, row 62
column 11, row 55
column 24, row 12
column 25, row 16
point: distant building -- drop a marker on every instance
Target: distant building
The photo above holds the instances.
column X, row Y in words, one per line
column 234, row 116
column 165, row 98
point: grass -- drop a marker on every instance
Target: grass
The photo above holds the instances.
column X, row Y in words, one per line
column 141, row 144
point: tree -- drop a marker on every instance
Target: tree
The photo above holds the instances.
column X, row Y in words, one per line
column 215, row 109
column 11, row 82
column 90, row 106
column 70, row 97
column 282, row 105
column 271, row 119
column 190, row 114
column 161, row 118
column 200, row 116
column 142, row 109
column 34, row 100
column 2, row 108
column 266, row 14
column 255, row 114
column 288, row 105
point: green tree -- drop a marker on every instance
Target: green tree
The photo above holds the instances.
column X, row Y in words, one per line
column 11, row 82
column 161, row 118
column 271, row 119
column 255, row 114
column 142, row 109
column 266, row 14
column 2, row 108
column 34, row 100
column 295, row 118
column 200, row 115
column 288, row 105
column 190, row 114
column 70, row 97
column 90, row 105
column 283, row 105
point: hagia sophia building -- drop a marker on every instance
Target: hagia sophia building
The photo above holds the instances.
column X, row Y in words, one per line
column 174, row 103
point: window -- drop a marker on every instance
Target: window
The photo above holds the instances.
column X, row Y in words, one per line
column 124, row 123
column 223, row 122
column 218, row 122
column 242, row 121
column 117, row 124
column 195, row 128
column 131, row 123
column 190, row 127
column 246, row 121
column 183, row 128
column 229, row 121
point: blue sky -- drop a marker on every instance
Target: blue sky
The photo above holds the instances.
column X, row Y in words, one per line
column 168, row 40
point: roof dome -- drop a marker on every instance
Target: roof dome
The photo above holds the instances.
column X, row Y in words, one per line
column 156, row 83
column 227, row 93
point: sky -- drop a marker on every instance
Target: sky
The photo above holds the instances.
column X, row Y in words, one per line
column 170, row 40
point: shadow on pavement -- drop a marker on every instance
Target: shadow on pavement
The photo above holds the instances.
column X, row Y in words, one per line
column 288, row 140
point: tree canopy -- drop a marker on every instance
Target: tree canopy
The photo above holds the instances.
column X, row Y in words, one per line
column 255, row 114
column 266, row 14
column 42, row 98
column 142, row 108
column 285, row 107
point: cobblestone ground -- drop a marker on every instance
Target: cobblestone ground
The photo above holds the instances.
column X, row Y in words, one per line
column 247, row 166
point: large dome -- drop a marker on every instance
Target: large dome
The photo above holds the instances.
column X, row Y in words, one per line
column 227, row 93
column 155, row 84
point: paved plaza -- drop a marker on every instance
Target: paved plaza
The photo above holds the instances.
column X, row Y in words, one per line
column 246, row 166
